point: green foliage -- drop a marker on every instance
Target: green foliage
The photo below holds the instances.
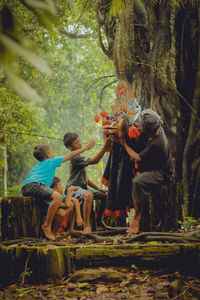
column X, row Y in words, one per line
column 14, row 45
column 17, row 117
column 70, row 100
column 145, row 272
column 187, row 223
column 120, row 5
column 134, row 267
column 116, row 6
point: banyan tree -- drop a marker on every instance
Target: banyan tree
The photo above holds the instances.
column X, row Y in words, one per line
column 155, row 48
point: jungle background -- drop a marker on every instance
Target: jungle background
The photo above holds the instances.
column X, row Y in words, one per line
column 61, row 61
column 60, row 64
column 66, row 101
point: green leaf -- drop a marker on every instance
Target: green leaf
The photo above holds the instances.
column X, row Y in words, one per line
column 47, row 5
column 134, row 267
column 22, row 88
column 82, row 284
column 19, row 50
column 46, row 19
column 16, row 187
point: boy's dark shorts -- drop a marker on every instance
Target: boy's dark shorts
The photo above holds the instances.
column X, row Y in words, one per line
column 38, row 190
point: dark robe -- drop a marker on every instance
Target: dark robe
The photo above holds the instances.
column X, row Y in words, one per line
column 118, row 174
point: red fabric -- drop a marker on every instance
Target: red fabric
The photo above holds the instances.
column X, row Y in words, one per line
column 62, row 226
column 104, row 181
column 117, row 213
column 133, row 132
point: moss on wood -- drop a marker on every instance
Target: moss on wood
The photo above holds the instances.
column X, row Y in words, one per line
column 47, row 264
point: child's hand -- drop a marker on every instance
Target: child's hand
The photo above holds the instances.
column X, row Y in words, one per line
column 115, row 139
column 103, row 191
column 90, row 144
column 72, row 188
column 122, row 141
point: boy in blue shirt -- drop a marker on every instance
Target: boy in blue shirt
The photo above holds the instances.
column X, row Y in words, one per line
column 37, row 183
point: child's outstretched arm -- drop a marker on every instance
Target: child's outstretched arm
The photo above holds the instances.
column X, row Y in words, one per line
column 97, row 158
column 79, row 151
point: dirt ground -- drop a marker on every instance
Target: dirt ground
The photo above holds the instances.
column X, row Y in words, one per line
column 128, row 284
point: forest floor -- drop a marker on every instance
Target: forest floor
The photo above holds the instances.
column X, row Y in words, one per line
column 133, row 284
column 112, row 283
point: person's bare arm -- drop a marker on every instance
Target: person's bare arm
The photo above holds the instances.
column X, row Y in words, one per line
column 79, row 151
column 131, row 152
column 94, row 186
column 97, row 158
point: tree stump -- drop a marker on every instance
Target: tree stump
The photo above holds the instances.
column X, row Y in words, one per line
column 162, row 211
column 33, row 264
column 21, row 217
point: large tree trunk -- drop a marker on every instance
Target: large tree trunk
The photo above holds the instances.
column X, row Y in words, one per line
column 155, row 49
column 188, row 81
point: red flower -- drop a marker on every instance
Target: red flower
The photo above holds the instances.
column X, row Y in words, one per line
column 96, row 117
column 104, row 123
column 103, row 113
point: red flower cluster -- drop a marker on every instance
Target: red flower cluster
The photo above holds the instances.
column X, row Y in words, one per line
column 97, row 118
column 103, row 114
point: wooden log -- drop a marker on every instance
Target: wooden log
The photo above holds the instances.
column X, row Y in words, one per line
column 38, row 264
column 174, row 257
column 21, row 217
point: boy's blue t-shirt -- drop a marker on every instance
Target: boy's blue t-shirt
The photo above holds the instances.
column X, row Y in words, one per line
column 44, row 171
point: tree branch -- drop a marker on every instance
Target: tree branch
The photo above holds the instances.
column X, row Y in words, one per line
column 102, row 90
column 94, row 82
column 106, row 51
column 76, row 36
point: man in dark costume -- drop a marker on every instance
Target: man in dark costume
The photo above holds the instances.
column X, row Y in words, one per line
column 119, row 172
column 120, row 168
column 155, row 163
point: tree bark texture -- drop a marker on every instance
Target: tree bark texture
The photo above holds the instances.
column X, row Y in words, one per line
column 161, row 212
column 21, row 217
column 33, row 264
column 155, row 49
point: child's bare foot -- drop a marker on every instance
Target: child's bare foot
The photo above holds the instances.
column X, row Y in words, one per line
column 87, row 229
column 79, row 221
column 48, row 232
column 134, row 227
